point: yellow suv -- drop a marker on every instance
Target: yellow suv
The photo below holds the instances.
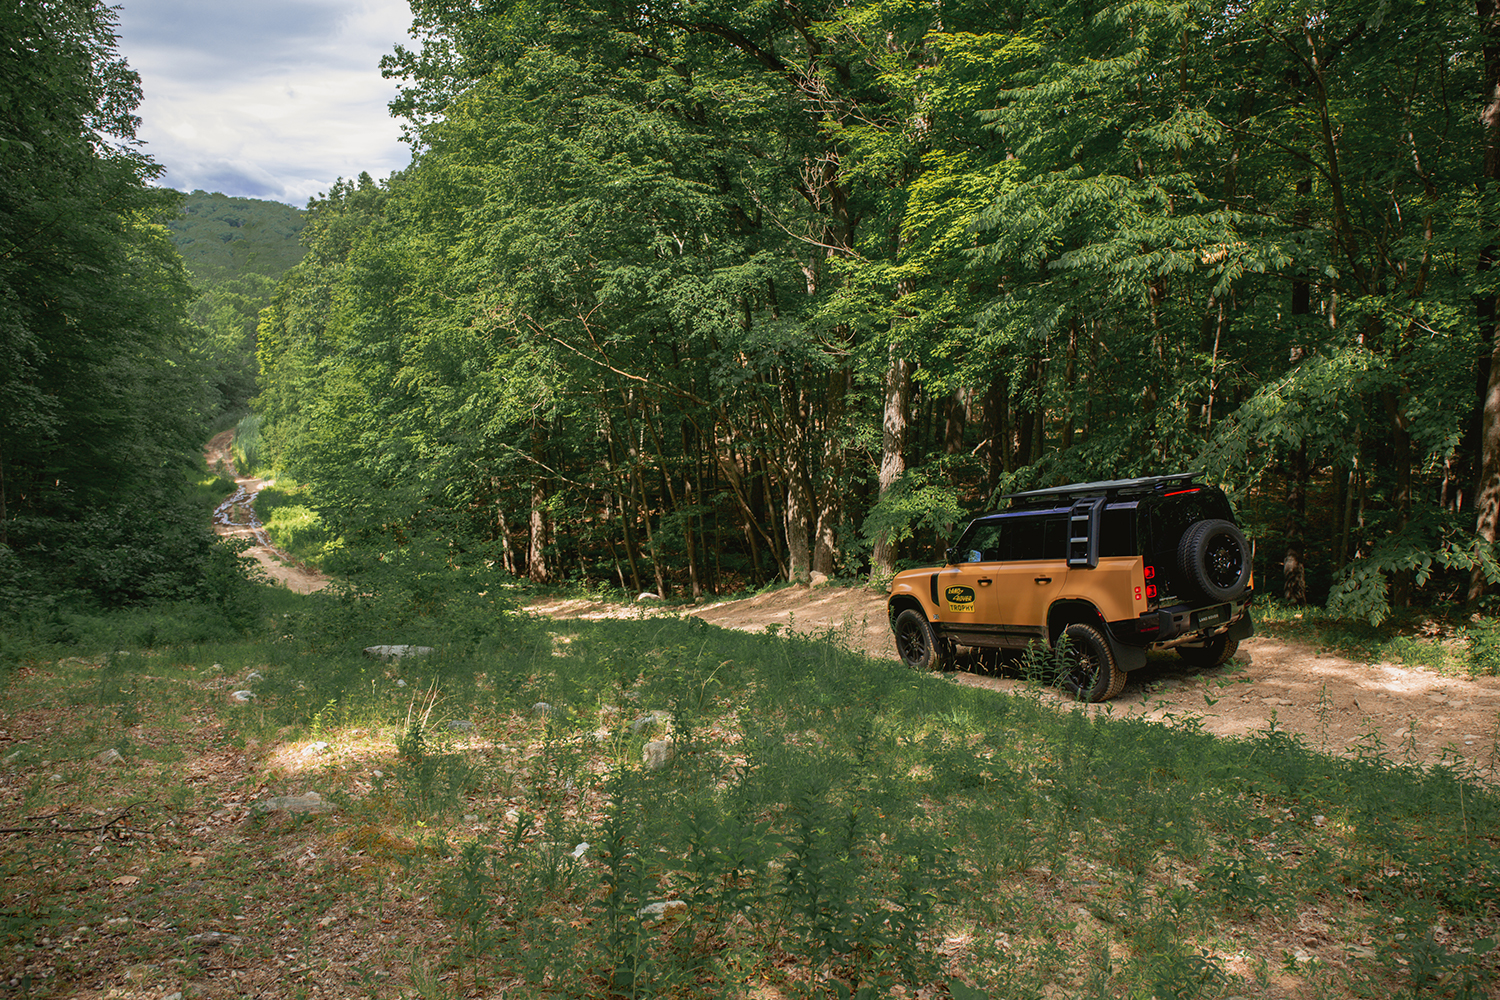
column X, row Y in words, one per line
column 1104, row 571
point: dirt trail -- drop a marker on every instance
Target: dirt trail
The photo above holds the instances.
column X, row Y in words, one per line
column 236, row 517
column 1334, row 703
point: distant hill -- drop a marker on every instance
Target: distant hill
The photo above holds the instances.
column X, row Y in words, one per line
column 222, row 238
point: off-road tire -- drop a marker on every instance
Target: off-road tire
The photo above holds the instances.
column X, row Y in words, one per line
column 1215, row 559
column 1089, row 671
column 916, row 642
column 1214, row 653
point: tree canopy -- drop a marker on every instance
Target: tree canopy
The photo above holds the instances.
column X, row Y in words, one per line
column 701, row 295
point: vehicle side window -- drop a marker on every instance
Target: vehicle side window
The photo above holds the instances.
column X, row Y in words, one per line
column 983, row 544
column 1043, row 537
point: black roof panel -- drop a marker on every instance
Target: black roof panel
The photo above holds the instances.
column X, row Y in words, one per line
column 1110, row 487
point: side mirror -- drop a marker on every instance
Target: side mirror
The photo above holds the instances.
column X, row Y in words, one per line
column 953, row 554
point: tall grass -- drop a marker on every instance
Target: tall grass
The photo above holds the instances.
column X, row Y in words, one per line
column 247, row 444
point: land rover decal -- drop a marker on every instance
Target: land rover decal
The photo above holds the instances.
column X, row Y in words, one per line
column 960, row 599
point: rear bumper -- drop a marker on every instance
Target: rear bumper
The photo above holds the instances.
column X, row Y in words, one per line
column 1183, row 623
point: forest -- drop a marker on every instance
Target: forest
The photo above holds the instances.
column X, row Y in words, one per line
column 694, row 297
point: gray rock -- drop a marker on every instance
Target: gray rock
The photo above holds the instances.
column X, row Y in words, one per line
column 460, row 724
column 311, row 802
column 646, row 722
column 658, row 754
column 110, row 757
column 396, row 652
column 646, row 595
column 242, row 696
column 253, row 676
column 313, row 749
column 665, row 910
column 816, row 579
column 215, row 939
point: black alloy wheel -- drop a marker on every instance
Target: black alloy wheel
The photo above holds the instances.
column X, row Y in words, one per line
column 916, row 642
column 1215, row 557
column 1088, row 671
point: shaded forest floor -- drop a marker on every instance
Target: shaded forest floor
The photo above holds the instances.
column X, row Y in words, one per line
column 1334, row 703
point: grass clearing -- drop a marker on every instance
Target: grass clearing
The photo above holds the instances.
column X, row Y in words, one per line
column 826, row 826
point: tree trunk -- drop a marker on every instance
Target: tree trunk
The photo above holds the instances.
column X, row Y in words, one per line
column 1293, row 567
column 1487, row 493
column 502, row 531
column 798, row 545
column 892, row 452
column 541, row 518
column 831, row 485
column 997, row 431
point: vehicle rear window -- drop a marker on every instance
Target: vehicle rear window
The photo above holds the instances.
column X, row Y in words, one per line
column 1167, row 520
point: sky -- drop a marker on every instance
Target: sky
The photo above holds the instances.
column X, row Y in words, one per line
column 271, row 99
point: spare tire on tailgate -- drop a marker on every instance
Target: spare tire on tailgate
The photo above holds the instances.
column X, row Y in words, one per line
column 1215, row 559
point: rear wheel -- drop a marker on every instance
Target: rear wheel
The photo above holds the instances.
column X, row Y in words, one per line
column 1089, row 671
column 1214, row 653
column 916, row 642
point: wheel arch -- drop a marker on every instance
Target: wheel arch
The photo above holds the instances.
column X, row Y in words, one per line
column 902, row 602
column 1080, row 612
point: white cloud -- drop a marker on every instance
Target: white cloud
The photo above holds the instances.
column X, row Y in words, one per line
column 275, row 99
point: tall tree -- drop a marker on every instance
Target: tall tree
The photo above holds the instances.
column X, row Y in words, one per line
column 91, row 300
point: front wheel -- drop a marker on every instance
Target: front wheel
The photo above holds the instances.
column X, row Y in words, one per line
column 916, row 642
column 1089, row 671
column 1214, row 653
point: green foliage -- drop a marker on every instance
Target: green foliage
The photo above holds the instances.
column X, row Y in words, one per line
column 236, row 249
column 294, row 527
column 101, row 404
column 630, row 313
column 1420, row 549
column 914, row 502
column 1483, row 640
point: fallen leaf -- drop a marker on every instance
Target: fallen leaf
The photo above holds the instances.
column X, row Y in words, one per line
column 125, row 880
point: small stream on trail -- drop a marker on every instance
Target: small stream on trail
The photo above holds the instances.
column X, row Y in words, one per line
column 238, row 511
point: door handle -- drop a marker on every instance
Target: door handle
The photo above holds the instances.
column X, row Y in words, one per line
column 985, row 581
column 1044, row 579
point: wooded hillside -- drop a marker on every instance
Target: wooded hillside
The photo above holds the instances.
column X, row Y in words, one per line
column 697, row 295
column 235, row 249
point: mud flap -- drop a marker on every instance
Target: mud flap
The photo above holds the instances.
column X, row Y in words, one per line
column 1242, row 627
column 1127, row 658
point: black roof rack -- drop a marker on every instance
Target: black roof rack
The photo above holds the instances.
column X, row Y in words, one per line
column 1107, row 488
